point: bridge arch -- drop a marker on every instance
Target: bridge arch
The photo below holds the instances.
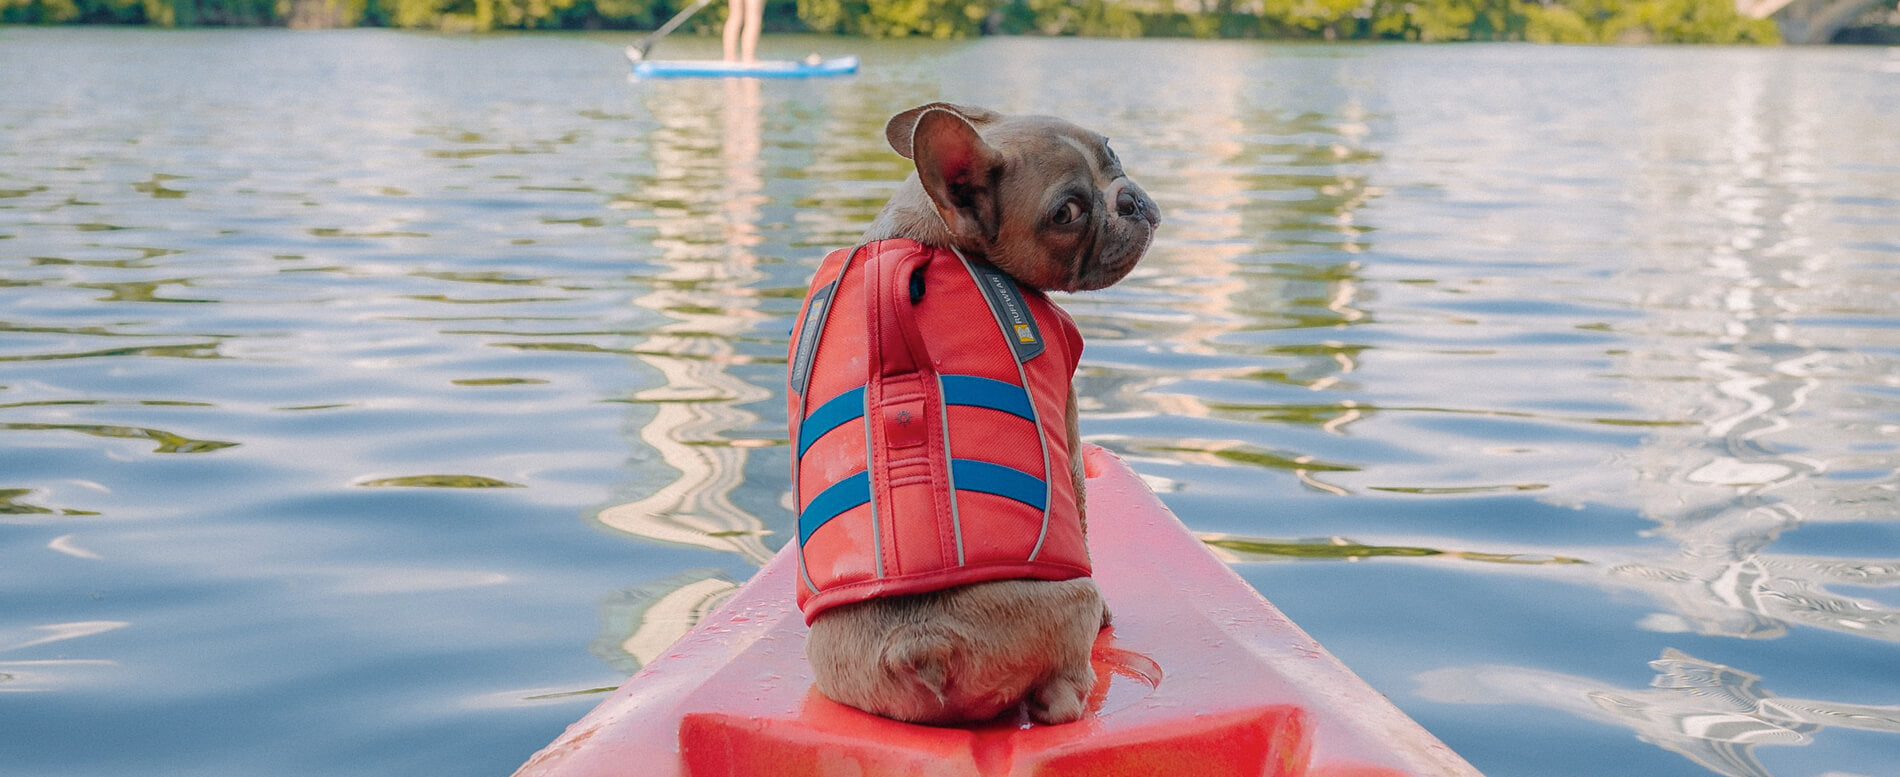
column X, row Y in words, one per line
column 1807, row 21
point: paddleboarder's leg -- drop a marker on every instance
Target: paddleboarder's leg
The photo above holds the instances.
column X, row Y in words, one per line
column 735, row 16
column 743, row 20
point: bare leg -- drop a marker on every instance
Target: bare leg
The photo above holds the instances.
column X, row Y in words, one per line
column 735, row 16
column 754, row 19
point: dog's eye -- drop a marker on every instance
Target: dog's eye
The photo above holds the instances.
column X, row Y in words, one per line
column 1070, row 212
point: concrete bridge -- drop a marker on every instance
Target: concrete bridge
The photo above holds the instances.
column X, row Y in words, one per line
column 1808, row 21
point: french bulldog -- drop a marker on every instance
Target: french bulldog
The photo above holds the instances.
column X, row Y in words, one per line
column 1047, row 203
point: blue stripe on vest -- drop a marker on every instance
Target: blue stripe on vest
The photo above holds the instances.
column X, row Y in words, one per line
column 986, row 392
column 841, row 410
column 832, row 502
column 973, row 475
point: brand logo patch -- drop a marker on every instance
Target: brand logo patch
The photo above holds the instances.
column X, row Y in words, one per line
column 1011, row 310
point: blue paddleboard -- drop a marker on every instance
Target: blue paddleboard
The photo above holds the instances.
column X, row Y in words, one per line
column 776, row 68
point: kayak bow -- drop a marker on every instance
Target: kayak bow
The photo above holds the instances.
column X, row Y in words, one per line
column 1199, row 676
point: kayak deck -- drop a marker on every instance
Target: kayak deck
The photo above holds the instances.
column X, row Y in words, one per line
column 777, row 68
column 1199, row 676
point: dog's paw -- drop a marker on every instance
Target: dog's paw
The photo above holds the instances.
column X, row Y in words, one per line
column 1063, row 698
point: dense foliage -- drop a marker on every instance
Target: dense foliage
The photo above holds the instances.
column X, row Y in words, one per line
column 1558, row 21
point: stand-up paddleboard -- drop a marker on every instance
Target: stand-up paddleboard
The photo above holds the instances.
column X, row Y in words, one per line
column 1199, row 677
column 774, row 68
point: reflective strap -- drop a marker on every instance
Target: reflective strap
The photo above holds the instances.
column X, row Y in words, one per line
column 1009, row 482
column 831, row 502
column 808, row 334
column 1007, row 304
column 841, row 410
column 975, row 391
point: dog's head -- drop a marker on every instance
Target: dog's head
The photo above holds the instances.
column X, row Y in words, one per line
column 1042, row 199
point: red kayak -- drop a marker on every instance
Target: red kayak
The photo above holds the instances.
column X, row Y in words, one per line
column 1199, row 677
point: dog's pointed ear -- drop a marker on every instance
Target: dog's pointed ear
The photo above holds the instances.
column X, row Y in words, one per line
column 960, row 173
column 901, row 129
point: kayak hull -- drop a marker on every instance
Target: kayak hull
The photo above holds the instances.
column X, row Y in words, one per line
column 777, row 68
column 1199, row 676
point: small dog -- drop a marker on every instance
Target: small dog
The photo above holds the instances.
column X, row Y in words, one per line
column 1046, row 203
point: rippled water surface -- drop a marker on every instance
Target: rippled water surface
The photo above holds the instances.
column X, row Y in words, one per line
column 368, row 398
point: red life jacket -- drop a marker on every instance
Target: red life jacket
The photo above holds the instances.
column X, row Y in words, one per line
column 930, row 447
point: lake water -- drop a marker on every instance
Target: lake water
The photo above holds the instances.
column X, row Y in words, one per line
column 366, row 398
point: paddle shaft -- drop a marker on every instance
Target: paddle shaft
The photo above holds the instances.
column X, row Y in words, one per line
column 638, row 50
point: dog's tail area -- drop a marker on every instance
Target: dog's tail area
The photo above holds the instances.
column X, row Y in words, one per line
column 918, row 655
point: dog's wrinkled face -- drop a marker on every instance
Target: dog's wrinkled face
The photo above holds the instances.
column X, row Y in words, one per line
column 1042, row 199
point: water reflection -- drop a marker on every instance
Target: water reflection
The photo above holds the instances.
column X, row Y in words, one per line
column 1711, row 714
column 1712, row 319
column 640, row 623
column 18, row 676
column 1306, row 467
column 188, row 351
column 1234, row 548
column 69, row 545
column 1763, row 335
column 168, row 442
column 1762, row 346
column 707, row 288
column 1258, row 265
column 13, row 501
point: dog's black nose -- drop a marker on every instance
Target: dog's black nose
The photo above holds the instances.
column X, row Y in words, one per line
column 1127, row 202
column 1133, row 203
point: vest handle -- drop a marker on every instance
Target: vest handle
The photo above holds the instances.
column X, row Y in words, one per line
column 900, row 344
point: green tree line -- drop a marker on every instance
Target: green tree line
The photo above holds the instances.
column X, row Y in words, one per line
column 1547, row 21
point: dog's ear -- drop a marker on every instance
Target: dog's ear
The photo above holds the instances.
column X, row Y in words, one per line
column 959, row 172
column 902, row 127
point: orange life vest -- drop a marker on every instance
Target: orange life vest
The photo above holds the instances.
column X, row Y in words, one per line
column 926, row 397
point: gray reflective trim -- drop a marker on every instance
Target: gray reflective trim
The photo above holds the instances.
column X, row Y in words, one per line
column 870, row 461
column 956, row 519
column 814, row 327
column 1009, row 307
column 1009, row 327
column 815, row 316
